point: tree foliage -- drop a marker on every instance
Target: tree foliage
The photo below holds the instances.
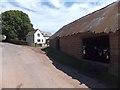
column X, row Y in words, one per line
column 16, row 24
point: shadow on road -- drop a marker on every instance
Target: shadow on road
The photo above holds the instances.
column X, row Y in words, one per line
column 89, row 82
column 92, row 76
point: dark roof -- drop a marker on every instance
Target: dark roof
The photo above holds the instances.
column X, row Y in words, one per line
column 103, row 20
column 31, row 32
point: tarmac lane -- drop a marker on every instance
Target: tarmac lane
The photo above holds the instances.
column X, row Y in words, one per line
column 24, row 68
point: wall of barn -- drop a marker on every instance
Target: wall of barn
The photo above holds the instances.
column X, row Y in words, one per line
column 53, row 43
column 71, row 45
column 118, row 52
column 114, row 52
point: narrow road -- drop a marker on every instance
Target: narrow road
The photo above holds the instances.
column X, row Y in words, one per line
column 24, row 68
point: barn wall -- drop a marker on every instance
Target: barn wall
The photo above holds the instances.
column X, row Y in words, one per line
column 114, row 53
column 71, row 45
column 119, row 52
column 53, row 43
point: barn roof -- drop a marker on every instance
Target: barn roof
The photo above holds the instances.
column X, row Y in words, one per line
column 104, row 20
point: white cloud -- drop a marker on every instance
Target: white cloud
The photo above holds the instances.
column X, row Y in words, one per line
column 56, row 3
column 52, row 19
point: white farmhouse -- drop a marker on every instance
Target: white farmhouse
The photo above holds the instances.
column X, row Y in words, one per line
column 37, row 37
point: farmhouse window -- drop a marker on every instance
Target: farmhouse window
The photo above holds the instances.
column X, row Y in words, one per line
column 38, row 35
column 38, row 40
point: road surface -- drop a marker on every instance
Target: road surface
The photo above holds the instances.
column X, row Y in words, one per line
column 25, row 67
column 22, row 67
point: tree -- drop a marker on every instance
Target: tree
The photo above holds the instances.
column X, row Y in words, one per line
column 16, row 24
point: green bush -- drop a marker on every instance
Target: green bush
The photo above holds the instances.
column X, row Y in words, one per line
column 15, row 24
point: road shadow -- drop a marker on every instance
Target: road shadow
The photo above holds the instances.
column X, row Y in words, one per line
column 75, row 74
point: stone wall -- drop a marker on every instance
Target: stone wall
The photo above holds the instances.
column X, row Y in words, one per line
column 119, row 52
column 71, row 45
column 114, row 53
column 53, row 43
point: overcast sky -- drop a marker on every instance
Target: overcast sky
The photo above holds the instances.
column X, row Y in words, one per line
column 51, row 15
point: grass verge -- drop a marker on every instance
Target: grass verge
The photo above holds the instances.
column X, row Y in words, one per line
column 85, row 67
column 1, row 37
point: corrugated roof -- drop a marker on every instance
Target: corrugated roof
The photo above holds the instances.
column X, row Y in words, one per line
column 46, row 34
column 104, row 20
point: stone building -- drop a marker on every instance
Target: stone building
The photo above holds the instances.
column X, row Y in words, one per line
column 94, row 37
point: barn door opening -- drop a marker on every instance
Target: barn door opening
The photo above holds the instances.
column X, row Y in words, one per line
column 97, row 49
column 57, row 43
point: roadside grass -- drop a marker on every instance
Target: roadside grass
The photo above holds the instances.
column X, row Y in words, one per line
column 109, row 78
column 1, row 37
column 37, row 45
column 86, row 68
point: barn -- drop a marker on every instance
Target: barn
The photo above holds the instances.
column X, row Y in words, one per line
column 93, row 38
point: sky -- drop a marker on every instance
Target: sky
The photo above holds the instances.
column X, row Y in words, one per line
column 51, row 15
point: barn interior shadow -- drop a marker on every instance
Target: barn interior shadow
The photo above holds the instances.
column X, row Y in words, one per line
column 75, row 74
